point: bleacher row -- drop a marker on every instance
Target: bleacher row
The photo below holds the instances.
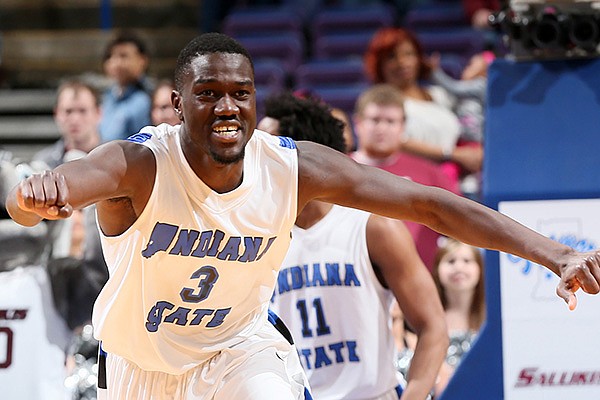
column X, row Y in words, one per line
column 324, row 54
column 35, row 60
column 321, row 53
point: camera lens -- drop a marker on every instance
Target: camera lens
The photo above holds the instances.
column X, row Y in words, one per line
column 583, row 32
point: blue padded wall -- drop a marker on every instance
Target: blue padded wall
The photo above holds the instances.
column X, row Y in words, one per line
column 542, row 142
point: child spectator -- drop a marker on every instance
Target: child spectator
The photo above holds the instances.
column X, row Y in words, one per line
column 458, row 273
column 470, row 94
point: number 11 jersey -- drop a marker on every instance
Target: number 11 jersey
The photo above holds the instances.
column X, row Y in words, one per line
column 337, row 311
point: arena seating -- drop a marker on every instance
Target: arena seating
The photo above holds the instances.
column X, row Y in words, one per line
column 329, row 72
column 338, row 20
column 436, row 15
column 461, row 42
column 288, row 48
column 269, row 78
column 260, row 20
column 321, row 52
column 26, row 123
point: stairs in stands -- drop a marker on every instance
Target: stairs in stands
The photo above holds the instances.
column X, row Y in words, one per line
column 42, row 42
column 26, row 122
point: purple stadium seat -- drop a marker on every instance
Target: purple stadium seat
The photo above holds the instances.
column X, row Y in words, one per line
column 330, row 72
column 269, row 73
column 287, row 48
column 262, row 92
column 351, row 19
column 452, row 64
column 462, row 42
column 343, row 96
column 342, row 45
column 269, row 78
column 441, row 16
column 260, row 20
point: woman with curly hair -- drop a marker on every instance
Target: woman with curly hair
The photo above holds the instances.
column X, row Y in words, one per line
column 395, row 56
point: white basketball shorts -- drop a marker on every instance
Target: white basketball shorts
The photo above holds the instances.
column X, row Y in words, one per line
column 265, row 366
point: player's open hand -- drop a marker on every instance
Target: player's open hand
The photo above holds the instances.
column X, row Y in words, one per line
column 581, row 271
column 45, row 194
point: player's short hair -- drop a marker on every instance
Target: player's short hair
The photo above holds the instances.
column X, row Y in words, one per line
column 306, row 119
column 207, row 43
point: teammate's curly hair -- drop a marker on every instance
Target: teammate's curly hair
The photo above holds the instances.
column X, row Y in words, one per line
column 306, row 119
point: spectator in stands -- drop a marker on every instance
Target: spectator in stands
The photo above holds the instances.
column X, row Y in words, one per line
column 126, row 103
column 458, row 272
column 404, row 339
column 478, row 12
column 77, row 114
column 470, row 92
column 162, row 108
column 395, row 56
column 76, row 266
column 379, row 126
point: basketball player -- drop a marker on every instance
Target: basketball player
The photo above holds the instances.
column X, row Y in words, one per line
column 196, row 220
column 333, row 287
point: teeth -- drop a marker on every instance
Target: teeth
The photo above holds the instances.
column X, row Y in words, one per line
column 226, row 128
column 226, row 131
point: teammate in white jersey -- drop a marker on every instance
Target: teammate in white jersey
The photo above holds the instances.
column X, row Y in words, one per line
column 333, row 289
column 166, row 304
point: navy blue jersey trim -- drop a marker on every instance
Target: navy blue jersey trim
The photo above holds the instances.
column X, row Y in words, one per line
column 280, row 326
column 399, row 391
column 307, row 395
column 101, row 367
column 285, row 141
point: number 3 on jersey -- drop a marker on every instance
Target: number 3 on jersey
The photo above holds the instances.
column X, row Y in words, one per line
column 207, row 276
column 322, row 327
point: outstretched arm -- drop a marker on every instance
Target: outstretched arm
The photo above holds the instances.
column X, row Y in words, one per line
column 393, row 251
column 333, row 177
column 116, row 169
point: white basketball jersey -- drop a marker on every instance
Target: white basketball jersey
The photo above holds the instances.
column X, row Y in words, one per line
column 195, row 272
column 336, row 309
column 33, row 337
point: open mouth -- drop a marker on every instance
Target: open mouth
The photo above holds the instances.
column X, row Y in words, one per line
column 226, row 132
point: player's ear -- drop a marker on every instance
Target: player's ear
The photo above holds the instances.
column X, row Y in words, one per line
column 176, row 101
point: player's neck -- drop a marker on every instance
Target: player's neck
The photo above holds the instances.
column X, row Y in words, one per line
column 312, row 213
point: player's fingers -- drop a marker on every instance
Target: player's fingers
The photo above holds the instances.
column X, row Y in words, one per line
column 34, row 196
column 588, row 275
column 63, row 191
column 37, row 187
column 65, row 211
column 572, row 303
column 49, row 179
column 25, row 196
column 566, row 290
column 594, row 265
